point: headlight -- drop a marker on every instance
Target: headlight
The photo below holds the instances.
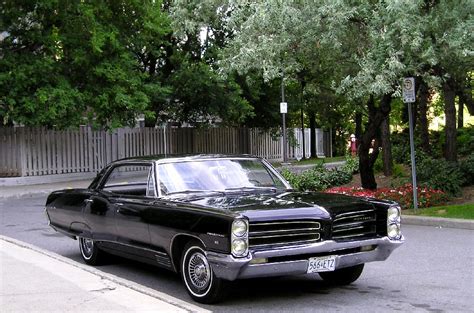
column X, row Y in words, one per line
column 393, row 231
column 393, row 214
column 239, row 228
column 239, row 247
column 239, row 238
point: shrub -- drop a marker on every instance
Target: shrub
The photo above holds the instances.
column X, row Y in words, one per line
column 352, row 165
column 466, row 167
column 318, row 178
column 440, row 174
column 378, row 165
column 398, row 171
column 465, row 140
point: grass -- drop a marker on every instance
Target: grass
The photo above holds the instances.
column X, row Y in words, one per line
column 463, row 211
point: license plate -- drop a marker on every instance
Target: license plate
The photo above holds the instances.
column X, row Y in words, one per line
column 322, row 264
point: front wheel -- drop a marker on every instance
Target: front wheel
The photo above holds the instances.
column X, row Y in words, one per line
column 343, row 276
column 91, row 254
column 201, row 282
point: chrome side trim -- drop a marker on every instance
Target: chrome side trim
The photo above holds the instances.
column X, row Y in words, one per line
column 353, row 213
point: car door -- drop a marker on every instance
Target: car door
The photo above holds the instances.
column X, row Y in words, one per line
column 130, row 198
column 100, row 215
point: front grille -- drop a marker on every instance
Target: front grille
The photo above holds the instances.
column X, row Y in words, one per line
column 355, row 225
column 295, row 232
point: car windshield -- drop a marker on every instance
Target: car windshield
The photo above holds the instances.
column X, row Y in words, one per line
column 217, row 175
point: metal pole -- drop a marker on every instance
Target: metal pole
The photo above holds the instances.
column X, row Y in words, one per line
column 413, row 165
column 302, row 134
column 285, row 158
column 165, row 141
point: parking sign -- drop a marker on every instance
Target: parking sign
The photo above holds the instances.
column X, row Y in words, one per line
column 408, row 88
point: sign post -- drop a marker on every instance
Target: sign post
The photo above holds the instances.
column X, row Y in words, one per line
column 283, row 111
column 409, row 97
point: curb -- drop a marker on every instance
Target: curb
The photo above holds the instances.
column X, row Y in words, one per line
column 438, row 222
column 106, row 276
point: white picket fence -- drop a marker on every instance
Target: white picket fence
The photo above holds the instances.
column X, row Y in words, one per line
column 28, row 151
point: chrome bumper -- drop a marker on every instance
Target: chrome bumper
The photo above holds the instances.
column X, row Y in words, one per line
column 230, row 268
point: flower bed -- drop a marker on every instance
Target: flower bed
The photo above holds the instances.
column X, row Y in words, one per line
column 427, row 197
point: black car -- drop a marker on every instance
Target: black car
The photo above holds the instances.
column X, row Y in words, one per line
column 217, row 218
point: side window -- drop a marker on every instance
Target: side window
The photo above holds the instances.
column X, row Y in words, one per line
column 128, row 180
column 150, row 189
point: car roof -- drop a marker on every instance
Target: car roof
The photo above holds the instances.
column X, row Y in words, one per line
column 182, row 158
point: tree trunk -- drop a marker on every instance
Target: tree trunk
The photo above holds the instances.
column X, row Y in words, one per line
column 358, row 127
column 423, row 95
column 450, row 148
column 372, row 132
column 312, row 126
column 461, row 111
column 386, row 147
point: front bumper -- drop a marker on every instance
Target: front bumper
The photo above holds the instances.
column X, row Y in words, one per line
column 230, row 268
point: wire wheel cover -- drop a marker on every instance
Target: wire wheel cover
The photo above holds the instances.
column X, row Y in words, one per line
column 87, row 246
column 199, row 271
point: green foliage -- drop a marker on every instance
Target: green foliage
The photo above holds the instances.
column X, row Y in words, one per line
column 318, row 178
column 466, row 167
column 200, row 95
column 440, row 174
column 398, row 171
column 465, row 140
column 68, row 63
column 351, row 165
column 378, row 165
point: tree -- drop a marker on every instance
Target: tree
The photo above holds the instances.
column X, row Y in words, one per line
column 449, row 34
column 69, row 63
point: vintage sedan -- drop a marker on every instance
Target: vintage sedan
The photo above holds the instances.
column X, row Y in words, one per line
column 215, row 219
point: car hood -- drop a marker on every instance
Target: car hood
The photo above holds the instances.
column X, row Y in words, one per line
column 284, row 205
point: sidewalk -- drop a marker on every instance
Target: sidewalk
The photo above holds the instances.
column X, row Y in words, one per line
column 34, row 280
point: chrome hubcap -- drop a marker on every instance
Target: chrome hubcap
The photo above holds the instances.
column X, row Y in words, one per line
column 87, row 246
column 199, row 271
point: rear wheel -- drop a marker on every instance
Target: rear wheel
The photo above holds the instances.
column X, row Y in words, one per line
column 343, row 276
column 91, row 254
column 200, row 281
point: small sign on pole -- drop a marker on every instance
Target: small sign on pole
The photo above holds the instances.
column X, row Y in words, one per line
column 283, row 107
column 408, row 88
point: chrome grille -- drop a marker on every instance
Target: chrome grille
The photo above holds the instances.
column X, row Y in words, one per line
column 354, row 225
column 295, row 232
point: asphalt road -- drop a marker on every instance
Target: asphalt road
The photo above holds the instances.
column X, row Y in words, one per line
column 432, row 272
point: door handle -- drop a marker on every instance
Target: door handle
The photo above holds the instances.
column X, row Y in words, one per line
column 88, row 200
column 119, row 205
